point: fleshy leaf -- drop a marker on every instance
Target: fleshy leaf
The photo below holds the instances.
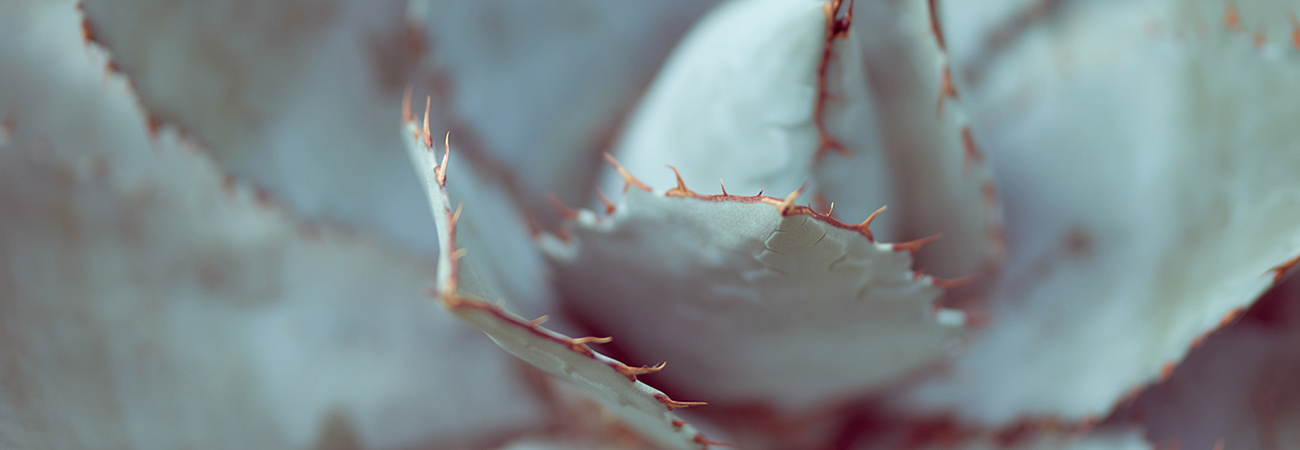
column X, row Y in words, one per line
column 296, row 96
column 773, row 94
column 1236, row 389
column 750, row 298
column 542, row 88
column 610, row 383
column 1149, row 183
column 148, row 301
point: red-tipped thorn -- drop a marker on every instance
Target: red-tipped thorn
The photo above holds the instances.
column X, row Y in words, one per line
column 1281, row 269
column 865, row 226
column 565, row 211
column 679, row 423
column 440, row 172
column 632, row 372
column 579, row 345
column 788, row 204
column 724, row 187
column 913, row 246
column 424, row 133
column 538, row 321
column 674, row 404
column 628, row 179
column 681, row 190
column 610, row 207
column 590, row 340
column 455, row 216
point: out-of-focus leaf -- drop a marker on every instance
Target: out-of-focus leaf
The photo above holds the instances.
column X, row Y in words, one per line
column 1148, row 178
column 146, row 301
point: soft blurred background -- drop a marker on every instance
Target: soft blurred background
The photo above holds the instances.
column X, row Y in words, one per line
column 211, row 236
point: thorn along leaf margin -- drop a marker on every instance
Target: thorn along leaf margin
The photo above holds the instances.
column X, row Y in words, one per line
column 607, row 381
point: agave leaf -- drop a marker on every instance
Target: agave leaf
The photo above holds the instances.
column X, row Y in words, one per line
column 1149, row 187
column 462, row 289
column 772, row 94
column 150, row 302
column 760, row 296
column 298, row 97
column 505, row 265
column 542, row 88
column 1235, row 390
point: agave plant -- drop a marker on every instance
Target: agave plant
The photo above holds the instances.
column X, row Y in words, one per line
column 998, row 224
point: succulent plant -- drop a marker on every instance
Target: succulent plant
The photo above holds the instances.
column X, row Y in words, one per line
column 1000, row 224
